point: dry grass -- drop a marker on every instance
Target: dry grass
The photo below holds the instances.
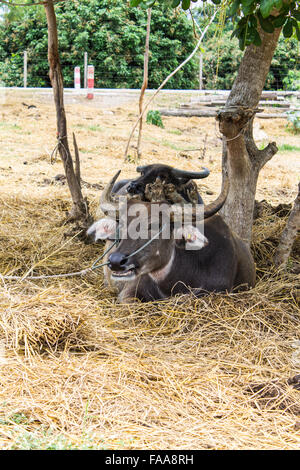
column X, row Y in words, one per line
column 80, row 371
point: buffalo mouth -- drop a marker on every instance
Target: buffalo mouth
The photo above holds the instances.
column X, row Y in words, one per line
column 128, row 274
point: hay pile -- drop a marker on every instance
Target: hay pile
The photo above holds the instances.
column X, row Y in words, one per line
column 80, row 371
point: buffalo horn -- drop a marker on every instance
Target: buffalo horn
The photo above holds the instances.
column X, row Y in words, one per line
column 216, row 205
column 106, row 196
column 190, row 175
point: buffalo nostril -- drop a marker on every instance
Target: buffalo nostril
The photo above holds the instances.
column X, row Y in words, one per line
column 117, row 260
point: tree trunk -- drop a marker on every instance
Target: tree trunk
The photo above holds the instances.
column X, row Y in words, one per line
column 79, row 209
column 242, row 160
column 145, row 82
column 289, row 234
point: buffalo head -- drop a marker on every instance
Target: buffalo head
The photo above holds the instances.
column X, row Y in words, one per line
column 168, row 175
column 152, row 231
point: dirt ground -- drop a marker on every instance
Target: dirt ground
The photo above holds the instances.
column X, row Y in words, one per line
column 80, row 371
column 102, row 129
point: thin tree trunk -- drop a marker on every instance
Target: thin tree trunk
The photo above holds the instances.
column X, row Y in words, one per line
column 145, row 82
column 79, row 209
column 242, row 160
column 166, row 81
column 289, row 234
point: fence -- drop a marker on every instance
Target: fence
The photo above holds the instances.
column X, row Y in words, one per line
column 28, row 70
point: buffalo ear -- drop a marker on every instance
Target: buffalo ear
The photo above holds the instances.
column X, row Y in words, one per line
column 103, row 229
column 190, row 238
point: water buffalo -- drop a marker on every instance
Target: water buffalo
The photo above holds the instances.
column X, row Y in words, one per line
column 213, row 260
column 181, row 179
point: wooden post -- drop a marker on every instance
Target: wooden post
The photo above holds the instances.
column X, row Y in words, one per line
column 85, row 69
column 77, row 78
column 201, row 72
column 25, row 69
column 90, row 82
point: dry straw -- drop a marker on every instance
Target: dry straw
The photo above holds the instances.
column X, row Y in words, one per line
column 80, row 371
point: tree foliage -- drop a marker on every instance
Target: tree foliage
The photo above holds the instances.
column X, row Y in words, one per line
column 111, row 32
column 223, row 56
column 248, row 15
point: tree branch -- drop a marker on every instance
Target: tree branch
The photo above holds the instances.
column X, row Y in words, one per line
column 77, row 161
column 166, row 81
column 29, row 4
column 258, row 157
column 145, row 81
column 289, row 234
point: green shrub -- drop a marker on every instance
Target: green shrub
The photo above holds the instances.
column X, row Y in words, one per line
column 113, row 35
column 292, row 80
column 11, row 70
column 294, row 119
column 222, row 57
column 154, row 117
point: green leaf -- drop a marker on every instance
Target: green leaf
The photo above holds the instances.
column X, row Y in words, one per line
column 296, row 26
column 248, row 6
column 266, row 7
column 234, row 8
column 296, row 14
column 297, row 32
column 253, row 21
column 175, row 3
column 150, row 3
column 243, row 21
column 134, row 3
column 217, row 2
column 285, row 7
column 242, row 43
column 235, row 33
column 278, row 4
column 240, row 31
column 257, row 39
column 266, row 25
column 154, row 117
column 185, row 4
column 247, row 9
column 288, row 28
column 279, row 21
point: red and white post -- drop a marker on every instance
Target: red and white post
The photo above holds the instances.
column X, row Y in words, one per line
column 90, row 80
column 77, row 78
